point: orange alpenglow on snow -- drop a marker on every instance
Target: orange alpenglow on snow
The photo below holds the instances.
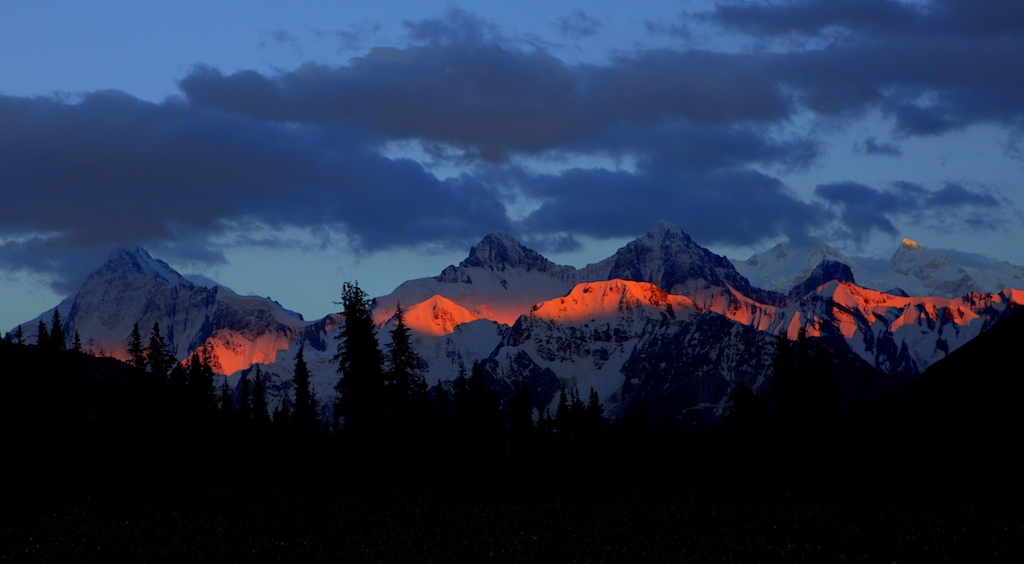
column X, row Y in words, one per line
column 595, row 300
column 235, row 352
column 873, row 306
column 435, row 316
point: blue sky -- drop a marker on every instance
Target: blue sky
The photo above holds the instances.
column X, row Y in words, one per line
column 285, row 149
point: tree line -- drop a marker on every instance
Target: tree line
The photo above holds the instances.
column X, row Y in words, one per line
column 383, row 409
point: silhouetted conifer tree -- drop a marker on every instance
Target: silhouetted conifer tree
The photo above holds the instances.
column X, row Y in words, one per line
column 577, row 411
column 404, row 364
column 406, row 391
column 244, row 398
column 225, row 397
column 283, row 415
column 43, row 336
column 77, row 344
column 260, row 409
column 360, row 363
column 595, row 411
column 595, row 426
column 561, row 420
column 159, row 358
column 177, row 385
column 200, row 384
column 304, row 415
column 19, row 336
column 569, row 417
column 544, row 428
column 58, row 339
column 136, row 352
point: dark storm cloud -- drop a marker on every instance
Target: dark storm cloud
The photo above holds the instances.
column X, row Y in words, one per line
column 864, row 209
column 578, row 25
column 114, row 170
column 703, row 133
column 493, row 101
column 814, row 17
column 461, row 84
column 731, row 206
column 932, row 67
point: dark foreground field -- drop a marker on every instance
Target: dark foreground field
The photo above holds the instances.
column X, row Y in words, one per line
column 625, row 519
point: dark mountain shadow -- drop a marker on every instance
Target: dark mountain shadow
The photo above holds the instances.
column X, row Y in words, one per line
column 964, row 414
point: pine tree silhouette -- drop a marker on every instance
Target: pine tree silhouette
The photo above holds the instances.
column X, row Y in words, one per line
column 159, row 358
column 244, row 398
column 360, row 364
column 58, row 339
column 305, row 420
column 43, row 336
column 260, row 409
column 406, row 389
column 136, row 352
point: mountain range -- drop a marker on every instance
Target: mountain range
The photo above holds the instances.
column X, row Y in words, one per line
column 663, row 325
column 911, row 270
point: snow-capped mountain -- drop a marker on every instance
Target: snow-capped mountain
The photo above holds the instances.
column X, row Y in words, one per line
column 921, row 271
column 668, row 258
column 912, row 269
column 826, row 271
column 662, row 324
column 785, row 265
column 133, row 287
column 583, row 338
column 499, row 280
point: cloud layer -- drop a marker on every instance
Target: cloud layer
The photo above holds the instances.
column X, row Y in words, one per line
column 709, row 136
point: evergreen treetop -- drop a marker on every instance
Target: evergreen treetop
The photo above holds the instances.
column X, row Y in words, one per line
column 304, row 413
column 159, row 358
column 360, row 363
column 136, row 352
column 260, row 409
column 42, row 336
column 404, row 364
column 58, row 339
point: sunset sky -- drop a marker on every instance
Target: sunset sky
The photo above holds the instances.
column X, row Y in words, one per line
column 282, row 149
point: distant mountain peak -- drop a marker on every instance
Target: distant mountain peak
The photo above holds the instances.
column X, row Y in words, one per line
column 137, row 260
column 826, row 271
column 669, row 258
column 664, row 226
column 667, row 231
column 909, row 244
column 498, row 251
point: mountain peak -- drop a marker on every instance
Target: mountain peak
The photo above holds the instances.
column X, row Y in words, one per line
column 909, row 248
column 666, row 230
column 826, row 271
column 667, row 257
column 591, row 301
column 498, row 251
column 138, row 260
